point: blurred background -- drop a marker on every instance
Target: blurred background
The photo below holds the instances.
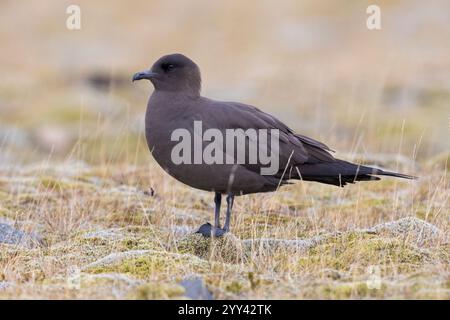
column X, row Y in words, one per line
column 67, row 94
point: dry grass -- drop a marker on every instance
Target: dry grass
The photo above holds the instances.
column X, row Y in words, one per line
column 75, row 170
column 90, row 213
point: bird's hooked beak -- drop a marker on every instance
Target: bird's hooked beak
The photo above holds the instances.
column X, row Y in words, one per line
column 145, row 75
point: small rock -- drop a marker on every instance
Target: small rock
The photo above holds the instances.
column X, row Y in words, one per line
column 196, row 289
column 9, row 235
column 421, row 231
column 5, row 284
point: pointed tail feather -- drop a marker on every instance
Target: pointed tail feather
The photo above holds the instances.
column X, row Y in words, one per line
column 397, row 175
column 341, row 172
column 366, row 170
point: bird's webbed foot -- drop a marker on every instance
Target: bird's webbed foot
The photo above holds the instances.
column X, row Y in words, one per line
column 207, row 230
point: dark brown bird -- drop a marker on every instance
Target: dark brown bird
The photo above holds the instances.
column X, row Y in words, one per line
column 176, row 104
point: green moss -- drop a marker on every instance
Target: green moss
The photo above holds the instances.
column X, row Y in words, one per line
column 125, row 239
column 60, row 185
column 380, row 202
column 4, row 212
column 65, row 115
column 142, row 266
column 226, row 248
column 235, row 287
column 254, row 280
column 157, row 291
column 155, row 263
column 152, row 243
column 352, row 290
column 342, row 252
column 50, row 183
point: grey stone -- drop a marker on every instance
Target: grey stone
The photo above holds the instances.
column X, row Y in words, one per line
column 196, row 289
column 416, row 229
column 10, row 235
column 5, row 285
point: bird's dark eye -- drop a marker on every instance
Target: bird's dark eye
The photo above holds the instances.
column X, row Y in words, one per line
column 168, row 67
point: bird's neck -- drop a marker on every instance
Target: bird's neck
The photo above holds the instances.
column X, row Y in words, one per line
column 175, row 95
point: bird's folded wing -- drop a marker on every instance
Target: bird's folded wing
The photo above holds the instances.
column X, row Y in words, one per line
column 294, row 149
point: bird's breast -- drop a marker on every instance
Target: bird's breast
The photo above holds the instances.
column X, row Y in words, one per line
column 162, row 122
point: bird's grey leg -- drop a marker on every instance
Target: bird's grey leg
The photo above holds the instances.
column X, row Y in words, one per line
column 230, row 202
column 207, row 229
column 217, row 201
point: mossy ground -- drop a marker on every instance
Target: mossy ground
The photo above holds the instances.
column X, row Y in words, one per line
column 98, row 212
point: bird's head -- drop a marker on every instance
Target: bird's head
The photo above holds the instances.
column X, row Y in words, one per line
column 173, row 72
